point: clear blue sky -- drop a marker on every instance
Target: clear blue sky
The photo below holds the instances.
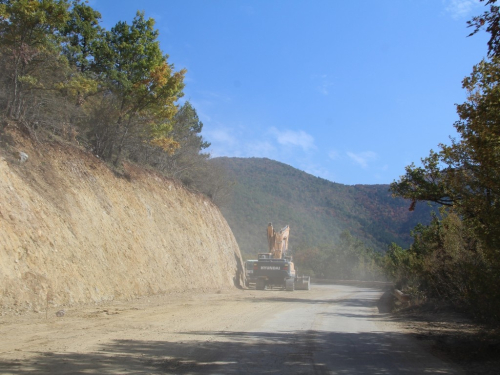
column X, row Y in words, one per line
column 351, row 91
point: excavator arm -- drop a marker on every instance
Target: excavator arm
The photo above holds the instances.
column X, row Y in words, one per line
column 277, row 241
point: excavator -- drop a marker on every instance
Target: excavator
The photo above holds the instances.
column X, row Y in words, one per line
column 275, row 269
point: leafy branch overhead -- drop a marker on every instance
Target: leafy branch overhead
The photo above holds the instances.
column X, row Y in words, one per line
column 490, row 19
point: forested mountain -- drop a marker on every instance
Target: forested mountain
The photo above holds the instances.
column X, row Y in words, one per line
column 317, row 210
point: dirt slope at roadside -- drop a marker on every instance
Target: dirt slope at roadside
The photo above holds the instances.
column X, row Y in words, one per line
column 72, row 232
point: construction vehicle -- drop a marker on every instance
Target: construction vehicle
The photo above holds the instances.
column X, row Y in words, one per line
column 276, row 269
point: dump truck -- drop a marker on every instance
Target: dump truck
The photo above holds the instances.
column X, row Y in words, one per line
column 275, row 269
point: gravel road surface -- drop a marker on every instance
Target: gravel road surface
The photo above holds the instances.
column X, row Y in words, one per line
column 331, row 329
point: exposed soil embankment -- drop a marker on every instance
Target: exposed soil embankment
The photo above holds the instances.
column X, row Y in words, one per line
column 72, row 232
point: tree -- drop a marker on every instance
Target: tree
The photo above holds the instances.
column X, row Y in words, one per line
column 456, row 257
column 466, row 174
column 83, row 34
column 144, row 85
column 29, row 34
column 186, row 131
column 188, row 162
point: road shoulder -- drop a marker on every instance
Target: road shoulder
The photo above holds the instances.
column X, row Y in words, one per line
column 453, row 337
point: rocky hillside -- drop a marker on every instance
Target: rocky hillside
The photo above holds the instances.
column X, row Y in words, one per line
column 73, row 232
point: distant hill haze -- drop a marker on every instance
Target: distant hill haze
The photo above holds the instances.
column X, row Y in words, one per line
column 317, row 210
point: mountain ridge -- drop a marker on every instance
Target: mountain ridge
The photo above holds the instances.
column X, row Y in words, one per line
column 317, row 210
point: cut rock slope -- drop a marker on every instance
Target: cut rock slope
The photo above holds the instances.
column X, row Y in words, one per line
column 72, row 232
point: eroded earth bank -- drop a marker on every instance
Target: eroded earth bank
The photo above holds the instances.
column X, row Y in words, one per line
column 72, row 232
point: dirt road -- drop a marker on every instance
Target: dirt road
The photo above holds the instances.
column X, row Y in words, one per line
column 331, row 329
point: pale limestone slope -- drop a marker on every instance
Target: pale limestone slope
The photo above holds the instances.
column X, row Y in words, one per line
column 71, row 232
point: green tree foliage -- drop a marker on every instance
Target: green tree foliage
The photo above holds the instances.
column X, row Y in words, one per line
column 446, row 262
column 188, row 155
column 188, row 162
column 83, row 35
column 58, row 46
column 144, row 86
column 187, row 158
column 29, row 47
column 466, row 174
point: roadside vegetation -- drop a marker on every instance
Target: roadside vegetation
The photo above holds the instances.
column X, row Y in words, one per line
column 456, row 258
column 114, row 92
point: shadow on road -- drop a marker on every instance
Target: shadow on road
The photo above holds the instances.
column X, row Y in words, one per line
column 354, row 302
column 240, row 353
column 364, row 305
column 306, row 301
